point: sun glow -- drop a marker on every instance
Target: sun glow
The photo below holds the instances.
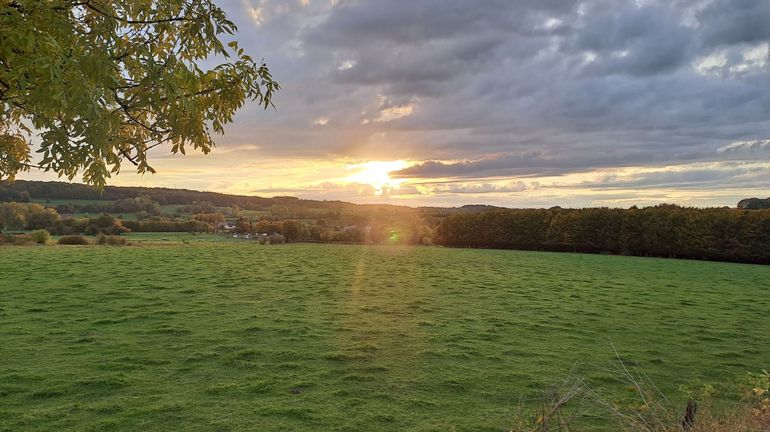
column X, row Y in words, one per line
column 377, row 174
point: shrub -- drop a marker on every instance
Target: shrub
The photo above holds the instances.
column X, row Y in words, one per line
column 22, row 239
column 111, row 240
column 114, row 240
column 17, row 239
column 73, row 240
column 40, row 236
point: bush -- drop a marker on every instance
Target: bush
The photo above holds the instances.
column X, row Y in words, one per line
column 73, row 240
column 111, row 240
column 16, row 239
column 40, row 236
column 116, row 241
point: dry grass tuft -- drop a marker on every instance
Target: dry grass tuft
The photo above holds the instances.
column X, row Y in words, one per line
column 560, row 407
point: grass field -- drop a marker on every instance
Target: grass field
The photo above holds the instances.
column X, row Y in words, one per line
column 234, row 336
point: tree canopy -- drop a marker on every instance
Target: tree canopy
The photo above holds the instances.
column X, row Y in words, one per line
column 103, row 81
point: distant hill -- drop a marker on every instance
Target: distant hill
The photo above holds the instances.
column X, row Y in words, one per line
column 26, row 190
column 23, row 190
column 473, row 208
column 754, row 203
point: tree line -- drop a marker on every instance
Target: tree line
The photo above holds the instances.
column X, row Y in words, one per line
column 140, row 204
column 754, row 203
column 672, row 231
column 33, row 216
column 40, row 190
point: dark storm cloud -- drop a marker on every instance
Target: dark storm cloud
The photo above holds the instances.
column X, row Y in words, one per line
column 729, row 22
column 512, row 87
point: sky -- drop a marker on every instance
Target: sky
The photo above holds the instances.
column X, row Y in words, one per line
column 517, row 103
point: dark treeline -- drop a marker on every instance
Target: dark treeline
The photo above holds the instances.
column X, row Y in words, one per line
column 13, row 195
column 721, row 234
column 754, row 203
column 124, row 205
column 61, row 190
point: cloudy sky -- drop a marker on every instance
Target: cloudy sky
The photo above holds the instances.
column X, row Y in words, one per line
column 509, row 102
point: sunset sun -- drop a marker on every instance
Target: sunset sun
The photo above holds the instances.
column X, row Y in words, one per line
column 376, row 174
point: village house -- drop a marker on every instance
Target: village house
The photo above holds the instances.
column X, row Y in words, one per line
column 226, row 226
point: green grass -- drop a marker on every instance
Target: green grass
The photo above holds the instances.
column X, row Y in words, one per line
column 234, row 336
column 174, row 238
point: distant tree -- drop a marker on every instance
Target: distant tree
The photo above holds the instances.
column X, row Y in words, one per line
column 200, row 207
column 12, row 195
column 242, row 226
column 211, row 218
column 263, row 227
column 275, row 228
column 13, row 216
column 26, row 216
column 754, row 203
column 280, row 211
column 105, row 224
column 40, row 236
column 293, row 230
column 315, row 232
column 103, row 81
column 44, row 218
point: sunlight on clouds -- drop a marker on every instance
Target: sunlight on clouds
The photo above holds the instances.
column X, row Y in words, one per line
column 393, row 113
column 589, row 57
column 760, row 144
column 257, row 13
column 346, row 64
column 710, row 64
column 377, row 174
column 726, row 62
column 552, row 23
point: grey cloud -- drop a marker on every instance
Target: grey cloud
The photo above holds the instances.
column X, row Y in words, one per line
column 638, row 41
column 727, row 22
column 497, row 85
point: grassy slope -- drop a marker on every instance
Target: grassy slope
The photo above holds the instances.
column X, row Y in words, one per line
column 237, row 336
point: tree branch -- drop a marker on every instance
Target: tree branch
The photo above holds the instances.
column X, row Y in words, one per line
column 130, row 21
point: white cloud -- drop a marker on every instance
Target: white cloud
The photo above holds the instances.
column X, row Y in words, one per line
column 346, row 64
column 396, row 112
column 759, row 144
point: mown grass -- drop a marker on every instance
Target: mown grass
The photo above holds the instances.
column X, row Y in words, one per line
column 234, row 336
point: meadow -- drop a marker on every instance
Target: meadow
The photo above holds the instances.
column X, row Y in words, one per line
column 234, row 336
